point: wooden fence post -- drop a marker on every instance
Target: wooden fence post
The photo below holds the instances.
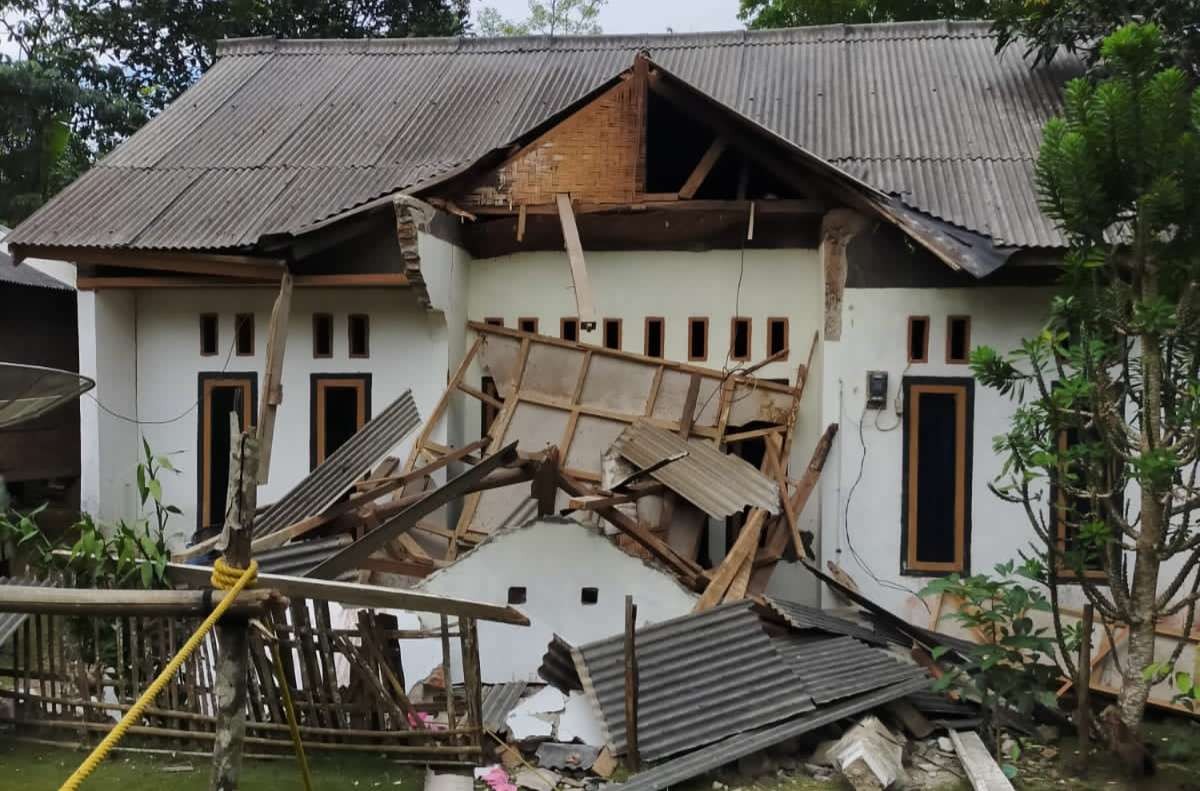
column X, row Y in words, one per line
column 632, row 759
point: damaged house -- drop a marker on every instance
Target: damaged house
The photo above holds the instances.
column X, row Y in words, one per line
column 622, row 253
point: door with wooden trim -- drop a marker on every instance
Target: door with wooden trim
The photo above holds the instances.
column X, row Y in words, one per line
column 220, row 394
column 340, row 405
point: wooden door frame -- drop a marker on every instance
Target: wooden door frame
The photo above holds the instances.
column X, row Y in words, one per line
column 206, row 382
column 318, row 384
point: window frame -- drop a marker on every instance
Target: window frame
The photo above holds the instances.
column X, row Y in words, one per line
column 620, row 334
column 206, row 382
column 1058, row 500
column 366, row 351
column 494, row 321
column 317, row 318
column 523, row 319
column 913, row 387
column 908, row 345
column 786, row 351
column 238, row 319
column 318, row 384
column 216, row 323
column 703, row 322
column 562, row 328
column 662, row 337
column 733, row 322
column 966, row 358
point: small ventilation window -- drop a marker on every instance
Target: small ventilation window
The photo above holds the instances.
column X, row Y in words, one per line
column 243, row 325
column 322, row 335
column 568, row 329
column 488, row 412
column 654, row 336
column 612, row 333
column 359, row 330
column 209, row 337
column 697, row 338
column 777, row 336
column 918, row 339
column 958, row 339
column 516, row 595
column 589, row 596
column 495, row 321
column 739, row 338
column 527, row 325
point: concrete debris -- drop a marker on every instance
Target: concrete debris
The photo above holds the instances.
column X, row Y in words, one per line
column 547, row 700
column 447, row 782
column 555, row 755
column 870, row 756
column 578, row 722
column 538, row 779
column 945, row 745
column 982, row 770
column 528, row 726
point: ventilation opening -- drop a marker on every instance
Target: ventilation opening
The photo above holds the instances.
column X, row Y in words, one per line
column 360, row 335
column 495, row 321
column 697, row 339
column 322, row 335
column 516, row 595
column 654, row 337
column 244, row 331
column 612, row 333
column 209, row 339
column 527, row 325
column 569, row 329
column 777, row 336
column 589, row 596
column 958, row 339
column 918, row 339
column 739, row 345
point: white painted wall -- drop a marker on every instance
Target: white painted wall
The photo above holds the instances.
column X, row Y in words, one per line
column 874, row 337
column 109, row 447
column 407, row 348
column 676, row 285
column 553, row 559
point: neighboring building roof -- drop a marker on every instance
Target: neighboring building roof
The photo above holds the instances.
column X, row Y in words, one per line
column 718, row 483
column 280, row 135
column 25, row 275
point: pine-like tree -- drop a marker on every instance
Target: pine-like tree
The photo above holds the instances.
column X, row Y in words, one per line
column 1110, row 414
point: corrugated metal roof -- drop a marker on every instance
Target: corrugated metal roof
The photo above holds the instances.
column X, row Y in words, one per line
column 718, row 483
column 924, row 110
column 10, row 622
column 498, row 701
column 832, row 668
column 334, row 476
column 701, row 678
column 300, row 557
column 558, row 666
column 26, row 275
column 700, row 761
column 803, row 617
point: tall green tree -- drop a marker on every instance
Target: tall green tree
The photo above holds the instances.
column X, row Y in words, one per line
column 1080, row 26
column 553, row 18
column 797, row 13
column 1109, row 419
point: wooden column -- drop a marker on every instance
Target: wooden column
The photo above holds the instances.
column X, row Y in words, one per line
column 469, row 635
column 232, row 634
column 632, row 759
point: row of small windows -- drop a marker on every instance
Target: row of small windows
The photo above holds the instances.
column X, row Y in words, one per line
column 587, row 596
column 654, row 336
column 958, row 339
column 358, row 335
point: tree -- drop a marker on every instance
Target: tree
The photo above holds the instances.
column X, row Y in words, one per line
column 1112, row 424
column 759, row 14
column 558, row 17
column 1080, row 25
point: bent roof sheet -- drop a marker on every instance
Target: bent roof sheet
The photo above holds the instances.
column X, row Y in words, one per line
column 923, row 110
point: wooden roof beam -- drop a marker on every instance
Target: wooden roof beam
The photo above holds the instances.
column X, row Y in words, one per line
column 236, row 266
column 585, row 308
column 703, row 168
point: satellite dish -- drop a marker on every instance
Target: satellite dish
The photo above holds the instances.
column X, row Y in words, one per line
column 30, row 391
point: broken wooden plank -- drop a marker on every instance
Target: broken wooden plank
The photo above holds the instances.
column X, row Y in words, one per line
column 598, row 501
column 702, row 169
column 585, row 309
column 982, row 770
column 743, row 549
column 791, row 516
column 272, row 391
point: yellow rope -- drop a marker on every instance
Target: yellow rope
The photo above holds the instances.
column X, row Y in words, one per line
column 290, row 708
column 224, row 577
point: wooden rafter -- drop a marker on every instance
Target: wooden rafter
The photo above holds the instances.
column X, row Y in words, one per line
column 585, row 308
column 703, row 168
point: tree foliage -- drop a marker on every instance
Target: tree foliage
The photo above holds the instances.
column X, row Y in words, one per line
column 1110, row 390
column 796, row 13
column 553, row 18
column 1080, row 26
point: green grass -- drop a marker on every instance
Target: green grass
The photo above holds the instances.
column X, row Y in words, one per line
column 33, row 767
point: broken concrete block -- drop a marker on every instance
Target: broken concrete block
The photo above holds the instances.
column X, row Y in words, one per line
column 605, row 764
column 945, row 745
column 523, row 726
column 537, row 779
column 547, row 700
column 869, row 756
column 579, row 722
column 553, row 755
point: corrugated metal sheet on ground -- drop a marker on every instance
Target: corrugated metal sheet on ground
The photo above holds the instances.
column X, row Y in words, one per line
column 498, row 701
column 924, row 110
column 832, row 668
column 800, row 616
column 10, row 622
column 719, row 483
column 334, row 476
column 700, row 761
column 701, row 678
column 300, row 557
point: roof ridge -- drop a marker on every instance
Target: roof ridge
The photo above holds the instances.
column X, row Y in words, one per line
column 938, row 158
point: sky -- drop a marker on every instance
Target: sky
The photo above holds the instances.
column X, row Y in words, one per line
column 645, row 16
